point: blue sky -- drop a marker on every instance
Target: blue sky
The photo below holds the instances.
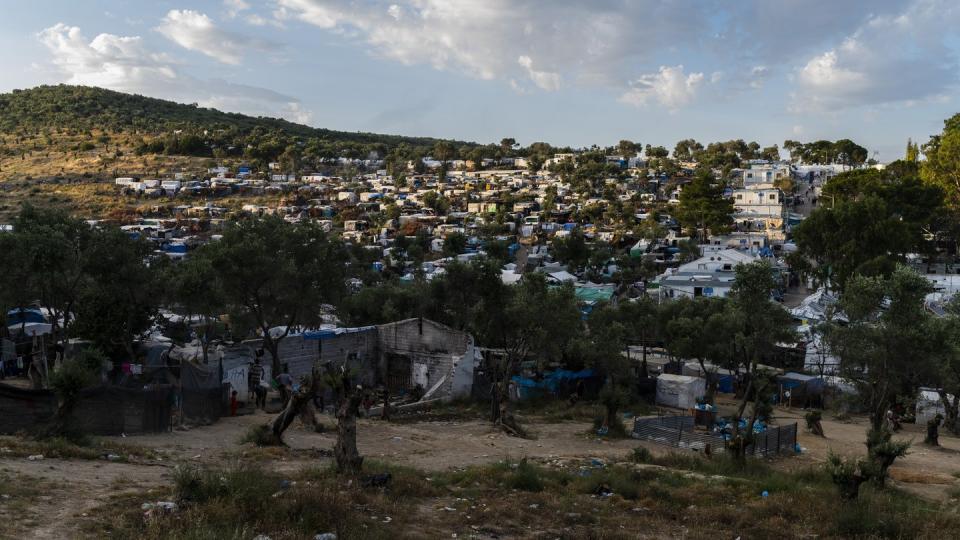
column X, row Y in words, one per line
column 569, row 73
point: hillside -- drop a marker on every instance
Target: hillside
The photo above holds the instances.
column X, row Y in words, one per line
column 91, row 108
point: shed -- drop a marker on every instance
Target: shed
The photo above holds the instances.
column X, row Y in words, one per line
column 680, row 391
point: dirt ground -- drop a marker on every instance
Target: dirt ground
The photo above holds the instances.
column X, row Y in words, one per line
column 74, row 487
column 926, row 471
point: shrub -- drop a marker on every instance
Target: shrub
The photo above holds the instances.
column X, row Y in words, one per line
column 261, row 435
column 641, row 455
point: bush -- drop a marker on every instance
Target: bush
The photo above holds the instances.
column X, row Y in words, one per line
column 261, row 435
column 847, row 474
column 641, row 455
column 242, row 501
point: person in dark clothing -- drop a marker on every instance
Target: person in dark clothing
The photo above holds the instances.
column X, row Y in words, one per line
column 253, row 381
column 285, row 385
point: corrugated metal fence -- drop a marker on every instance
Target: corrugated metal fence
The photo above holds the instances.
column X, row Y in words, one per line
column 678, row 432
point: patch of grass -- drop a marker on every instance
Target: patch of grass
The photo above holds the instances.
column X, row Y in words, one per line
column 512, row 475
column 243, row 501
column 63, row 448
column 707, row 498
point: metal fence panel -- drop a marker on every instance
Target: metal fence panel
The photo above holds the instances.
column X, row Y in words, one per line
column 679, row 432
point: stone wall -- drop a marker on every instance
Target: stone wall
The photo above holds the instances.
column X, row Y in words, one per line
column 434, row 351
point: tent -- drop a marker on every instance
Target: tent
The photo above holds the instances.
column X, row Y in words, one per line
column 724, row 377
column 559, row 383
column 679, row 391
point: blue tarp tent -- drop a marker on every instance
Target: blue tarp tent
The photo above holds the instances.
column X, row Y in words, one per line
column 551, row 383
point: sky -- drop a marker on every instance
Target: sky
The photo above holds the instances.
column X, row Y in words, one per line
column 564, row 72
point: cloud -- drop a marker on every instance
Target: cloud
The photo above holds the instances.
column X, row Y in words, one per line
column 897, row 58
column 123, row 63
column 669, row 87
column 196, row 31
column 543, row 79
column 235, row 7
column 543, row 43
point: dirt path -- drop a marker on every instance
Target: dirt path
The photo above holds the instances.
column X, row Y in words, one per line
column 927, row 471
column 75, row 488
column 426, row 445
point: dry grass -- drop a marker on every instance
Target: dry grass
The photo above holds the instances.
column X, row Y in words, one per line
column 85, row 448
column 679, row 496
column 19, row 494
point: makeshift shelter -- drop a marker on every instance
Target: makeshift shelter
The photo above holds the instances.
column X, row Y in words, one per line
column 724, row 377
column 679, row 391
column 802, row 388
column 560, row 383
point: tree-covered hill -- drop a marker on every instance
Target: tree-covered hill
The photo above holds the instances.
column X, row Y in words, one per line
column 63, row 107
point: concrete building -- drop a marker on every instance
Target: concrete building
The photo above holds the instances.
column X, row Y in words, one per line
column 401, row 355
column 710, row 275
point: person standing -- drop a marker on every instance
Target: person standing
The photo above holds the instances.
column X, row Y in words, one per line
column 254, row 378
column 285, row 385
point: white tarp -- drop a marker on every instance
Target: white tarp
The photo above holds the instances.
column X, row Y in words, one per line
column 679, row 391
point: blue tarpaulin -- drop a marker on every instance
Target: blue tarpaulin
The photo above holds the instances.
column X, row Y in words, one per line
column 551, row 382
column 20, row 316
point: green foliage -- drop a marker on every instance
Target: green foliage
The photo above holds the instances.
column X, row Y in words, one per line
column 641, row 455
column 454, row 244
column 703, row 207
column 118, row 269
column 942, row 166
column 274, row 273
column 887, row 348
column 843, row 151
column 873, row 219
column 571, row 250
column 187, row 129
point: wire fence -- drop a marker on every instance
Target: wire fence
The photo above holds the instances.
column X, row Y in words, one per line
column 679, row 432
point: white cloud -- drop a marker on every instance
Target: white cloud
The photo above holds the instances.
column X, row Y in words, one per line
column 758, row 75
column 669, row 87
column 123, row 63
column 235, row 7
column 544, row 79
column 197, row 32
column 892, row 58
column 108, row 60
column 546, row 43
